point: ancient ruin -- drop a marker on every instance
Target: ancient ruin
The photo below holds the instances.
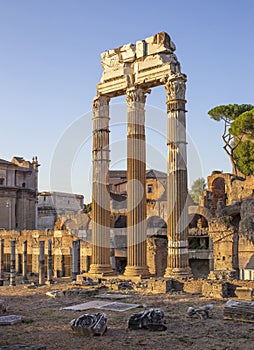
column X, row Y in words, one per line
column 132, row 70
column 142, row 223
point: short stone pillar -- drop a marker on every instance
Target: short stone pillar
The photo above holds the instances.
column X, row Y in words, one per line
column 13, row 263
column 50, row 263
column 42, row 263
column 24, row 261
column 1, row 258
column 75, row 259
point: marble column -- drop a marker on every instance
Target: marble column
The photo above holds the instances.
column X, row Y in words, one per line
column 1, row 258
column 74, row 255
column 136, row 185
column 13, row 263
column 50, row 263
column 42, row 263
column 100, row 191
column 177, row 223
column 24, row 261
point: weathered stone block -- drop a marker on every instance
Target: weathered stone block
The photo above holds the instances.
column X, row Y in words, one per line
column 244, row 293
column 239, row 311
column 159, row 285
column 215, row 290
column 193, row 287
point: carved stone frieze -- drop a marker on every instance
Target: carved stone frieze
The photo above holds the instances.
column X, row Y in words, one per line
column 146, row 63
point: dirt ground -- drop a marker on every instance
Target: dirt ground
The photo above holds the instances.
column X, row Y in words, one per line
column 44, row 323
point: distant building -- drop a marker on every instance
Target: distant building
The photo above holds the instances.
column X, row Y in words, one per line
column 53, row 204
column 18, row 193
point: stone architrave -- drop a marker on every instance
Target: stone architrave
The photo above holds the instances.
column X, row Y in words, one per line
column 13, row 263
column 177, row 225
column 100, row 198
column 136, row 185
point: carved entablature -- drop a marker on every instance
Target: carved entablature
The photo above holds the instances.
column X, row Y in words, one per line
column 148, row 63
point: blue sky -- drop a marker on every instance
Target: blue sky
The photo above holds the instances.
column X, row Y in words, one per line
column 50, row 65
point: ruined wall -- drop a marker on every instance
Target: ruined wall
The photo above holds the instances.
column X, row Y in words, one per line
column 61, row 244
column 246, row 235
column 157, row 255
column 225, row 247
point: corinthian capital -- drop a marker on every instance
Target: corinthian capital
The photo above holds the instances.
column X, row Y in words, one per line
column 100, row 101
column 136, row 95
column 175, row 87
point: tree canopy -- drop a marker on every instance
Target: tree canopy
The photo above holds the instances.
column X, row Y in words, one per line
column 238, row 129
column 243, row 125
column 197, row 189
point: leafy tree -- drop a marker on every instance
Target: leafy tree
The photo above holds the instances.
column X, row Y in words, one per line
column 197, row 189
column 243, row 131
column 244, row 157
column 87, row 207
column 243, row 125
column 229, row 114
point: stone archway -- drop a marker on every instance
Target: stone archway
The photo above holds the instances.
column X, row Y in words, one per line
column 132, row 70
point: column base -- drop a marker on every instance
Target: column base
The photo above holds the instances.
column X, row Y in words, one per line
column 137, row 271
column 100, row 269
column 178, row 272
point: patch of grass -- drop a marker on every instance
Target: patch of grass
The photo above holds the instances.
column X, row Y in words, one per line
column 28, row 321
column 46, row 313
column 3, row 343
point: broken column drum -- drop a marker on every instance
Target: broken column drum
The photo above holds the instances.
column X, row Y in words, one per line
column 132, row 70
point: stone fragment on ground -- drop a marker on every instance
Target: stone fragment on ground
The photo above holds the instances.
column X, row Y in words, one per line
column 239, row 311
column 245, row 293
column 9, row 320
column 54, row 294
column 101, row 304
column 152, row 319
column 203, row 312
column 90, row 324
column 23, row 347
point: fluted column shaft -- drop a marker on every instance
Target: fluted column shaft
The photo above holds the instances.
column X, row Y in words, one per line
column 136, row 185
column 177, row 225
column 100, row 193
